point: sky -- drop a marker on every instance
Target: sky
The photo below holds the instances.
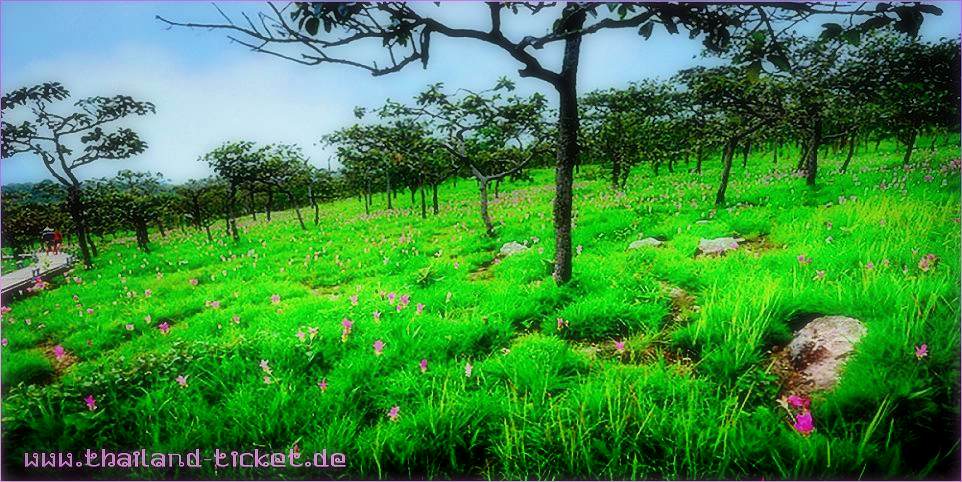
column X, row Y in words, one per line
column 208, row 91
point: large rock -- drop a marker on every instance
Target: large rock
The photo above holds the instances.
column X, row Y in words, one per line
column 512, row 248
column 717, row 246
column 820, row 348
column 641, row 243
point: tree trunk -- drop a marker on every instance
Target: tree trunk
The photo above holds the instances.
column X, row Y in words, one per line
column 424, row 204
column 811, row 164
column 251, row 206
column 497, row 188
column 210, row 237
column 76, row 208
column 909, row 147
column 297, row 210
column 434, row 196
column 229, row 209
column 851, row 151
column 568, row 125
column 270, row 204
column 160, row 227
column 387, row 179
column 698, row 159
column 727, row 154
column 488, row 226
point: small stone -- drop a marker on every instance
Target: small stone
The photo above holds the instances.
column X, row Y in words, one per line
column 641, row 243
column 718, row 246
column 512, row 248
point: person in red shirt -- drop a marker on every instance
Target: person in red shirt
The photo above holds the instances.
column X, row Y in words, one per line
column 57, row 241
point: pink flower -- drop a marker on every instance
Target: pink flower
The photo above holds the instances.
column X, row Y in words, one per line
column 91, row 402
column 182, row 381
column 300, row 335
column 405, row 299
column 420, row 308
column 90, row 311
column 390, row 298
column 235, row 319
column 353, row 300
column 797, row 401
column 267, row 380
column 424, row 365
column 130, row 327
column 147, row 293
column 58, row 352
column 870, row 265
column 562, row 323
column 163, row 327
column 620, row 346
column 4, row 342
column 347, row 324
column 819, row 274
column 378, row 347
column 148, row 319
column 399, row 307
column 803, row 423
column 393, row 413
column 312, row 331
column 322, row 385
column 467, row 369
column 275, row 299
column 802, row 259
column 921, row 351
column 6, row 309
column 928, row 262
column 194, row 281
column 377, row 315
column 265, row 366
column 579, row 249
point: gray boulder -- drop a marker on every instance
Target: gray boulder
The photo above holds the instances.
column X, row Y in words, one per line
column 512, row 248
column 717, row 246
column 819, row 349
column 641, row 243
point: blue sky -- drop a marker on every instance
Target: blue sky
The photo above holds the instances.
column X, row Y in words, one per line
column 208, row 91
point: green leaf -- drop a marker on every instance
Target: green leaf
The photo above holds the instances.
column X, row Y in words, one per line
column 753, row 70
column 831, row 30
column 311, row 25
column 780, row 61
column 646, row 29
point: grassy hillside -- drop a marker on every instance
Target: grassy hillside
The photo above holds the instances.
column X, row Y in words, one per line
column 691, row 394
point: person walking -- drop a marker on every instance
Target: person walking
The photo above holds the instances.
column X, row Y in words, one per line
column 57, row 241
column 46, row 238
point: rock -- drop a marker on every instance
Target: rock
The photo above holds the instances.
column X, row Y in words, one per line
column 718, row 246
column 819, row 349
column 641, row 243
column 512, row 248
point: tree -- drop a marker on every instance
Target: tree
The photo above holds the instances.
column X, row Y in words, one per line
column 917, row 84
column 54, row 138
column 738, row 105
column 238, row 164
column 198, row 200
column 614, row 120
column 136, row 197
column 284, row 170
column 323, row 31
column 489, row 135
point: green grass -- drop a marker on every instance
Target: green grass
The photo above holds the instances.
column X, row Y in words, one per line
column 692, row 395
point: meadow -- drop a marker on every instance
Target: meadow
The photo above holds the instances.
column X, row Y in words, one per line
column 413, row 348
